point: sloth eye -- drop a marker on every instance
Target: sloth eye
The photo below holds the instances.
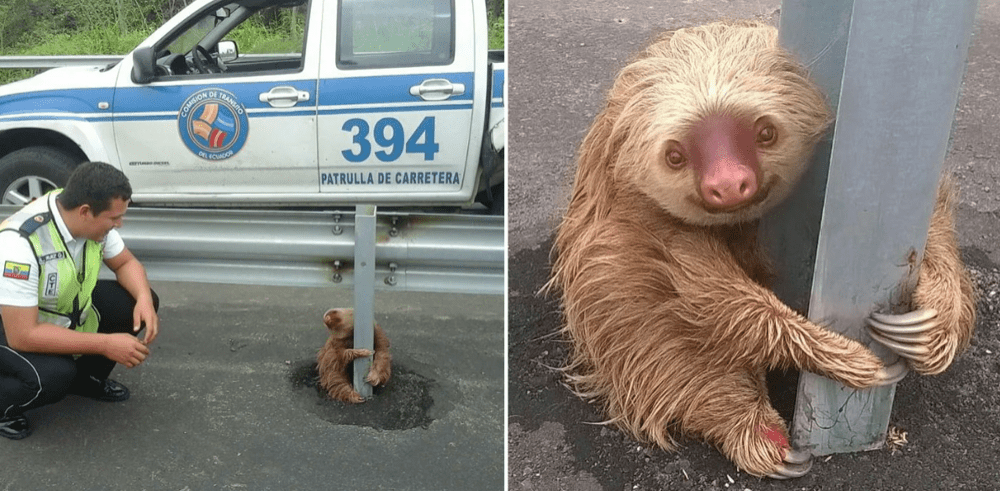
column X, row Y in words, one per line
column 767, row 134
column 675, row 158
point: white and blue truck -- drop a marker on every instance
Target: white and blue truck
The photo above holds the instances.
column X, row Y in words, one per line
column 388, row 102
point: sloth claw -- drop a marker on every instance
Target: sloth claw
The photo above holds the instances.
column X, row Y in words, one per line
column 901, row 347
column 792, row 469
column 908, row 319
column 891, row 328
column 797, row 457
column 893, row 373
column 904, row 334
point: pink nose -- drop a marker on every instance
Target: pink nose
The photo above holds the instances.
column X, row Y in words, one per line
column 732, row 185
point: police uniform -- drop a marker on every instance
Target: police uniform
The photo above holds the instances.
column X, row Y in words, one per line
column 45, row 266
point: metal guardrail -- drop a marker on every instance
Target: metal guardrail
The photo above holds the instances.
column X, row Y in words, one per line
column 414, row 252
column 41, row 62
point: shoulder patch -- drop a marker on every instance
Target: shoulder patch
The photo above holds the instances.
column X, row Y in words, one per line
column 17, row 271
column 30, row 225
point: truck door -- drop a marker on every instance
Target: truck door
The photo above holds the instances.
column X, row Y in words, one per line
column 219, row 125
column 401, row 100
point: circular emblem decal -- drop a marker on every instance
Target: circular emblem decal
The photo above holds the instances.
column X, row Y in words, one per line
column 213, row 124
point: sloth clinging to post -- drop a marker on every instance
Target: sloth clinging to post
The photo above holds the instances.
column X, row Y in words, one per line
column 664, row 288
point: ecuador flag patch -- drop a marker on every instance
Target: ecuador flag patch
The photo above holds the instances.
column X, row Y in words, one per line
column 16, row 271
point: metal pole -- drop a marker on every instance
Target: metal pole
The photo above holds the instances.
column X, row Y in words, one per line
column 364, row 293
column 893, row 75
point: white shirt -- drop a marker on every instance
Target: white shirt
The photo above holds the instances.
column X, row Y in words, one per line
column 14, row 248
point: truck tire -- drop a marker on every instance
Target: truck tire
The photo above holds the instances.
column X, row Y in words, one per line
column 499, row 200
column 31, row 172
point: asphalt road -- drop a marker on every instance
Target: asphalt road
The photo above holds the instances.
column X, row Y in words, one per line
column 563, row 57
column 228, row 400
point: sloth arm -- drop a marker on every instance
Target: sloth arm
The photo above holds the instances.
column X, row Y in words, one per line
column 945, row 298
column 742, row 320
column 946, row 287
column 690, row 287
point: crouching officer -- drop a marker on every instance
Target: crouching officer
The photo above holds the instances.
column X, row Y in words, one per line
column 61, row 329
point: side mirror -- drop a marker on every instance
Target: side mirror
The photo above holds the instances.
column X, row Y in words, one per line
column 228, row 51
column 143, row 65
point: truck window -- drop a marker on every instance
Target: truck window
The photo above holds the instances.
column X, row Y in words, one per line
column 272, row 31
column 192, row 35
column 395, row 33
column 267, row 39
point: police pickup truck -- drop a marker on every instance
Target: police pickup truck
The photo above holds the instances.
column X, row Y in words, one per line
column 389, row 102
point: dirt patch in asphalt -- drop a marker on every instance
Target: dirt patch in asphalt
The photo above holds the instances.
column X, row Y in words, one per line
column 404, row 402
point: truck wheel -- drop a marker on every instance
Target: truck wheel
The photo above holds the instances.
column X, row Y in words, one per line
column 499, row 201
column 31, row 172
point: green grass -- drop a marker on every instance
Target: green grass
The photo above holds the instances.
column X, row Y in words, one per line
column 284, row 37
column 102, row 41
column 497, row 33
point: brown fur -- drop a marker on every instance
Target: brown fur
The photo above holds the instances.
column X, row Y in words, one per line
column 667, row 305
column 338, row 351
column 944, row 285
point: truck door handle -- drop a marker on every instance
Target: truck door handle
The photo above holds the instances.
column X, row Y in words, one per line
column 436, row 89
column 284, row 96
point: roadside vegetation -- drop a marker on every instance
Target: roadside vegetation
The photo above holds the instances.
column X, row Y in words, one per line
column 115, row 27
column 497, row 31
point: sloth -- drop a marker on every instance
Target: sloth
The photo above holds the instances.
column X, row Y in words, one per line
column 664, row 288
column 338, row 351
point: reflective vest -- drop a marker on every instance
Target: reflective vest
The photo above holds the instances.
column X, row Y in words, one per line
column 64, row 290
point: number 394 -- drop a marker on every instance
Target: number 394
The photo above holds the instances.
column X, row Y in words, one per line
column 389, row 135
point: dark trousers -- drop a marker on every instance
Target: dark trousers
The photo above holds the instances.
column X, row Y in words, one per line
column 30, row 380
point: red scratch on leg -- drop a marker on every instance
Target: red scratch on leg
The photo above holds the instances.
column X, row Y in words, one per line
column 776, row 436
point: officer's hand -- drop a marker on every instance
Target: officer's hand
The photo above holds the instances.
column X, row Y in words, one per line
column 125, row 349
column 144, row 315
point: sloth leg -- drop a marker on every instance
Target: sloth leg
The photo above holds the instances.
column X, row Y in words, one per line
column 343, row 391
column 735, row 413
column 381, row 369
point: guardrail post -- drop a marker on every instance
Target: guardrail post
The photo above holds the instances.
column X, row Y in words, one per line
column 850, row 239
column 364, row 293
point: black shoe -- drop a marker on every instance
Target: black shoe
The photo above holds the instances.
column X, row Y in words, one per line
column 106, row 390
column 15, row 427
